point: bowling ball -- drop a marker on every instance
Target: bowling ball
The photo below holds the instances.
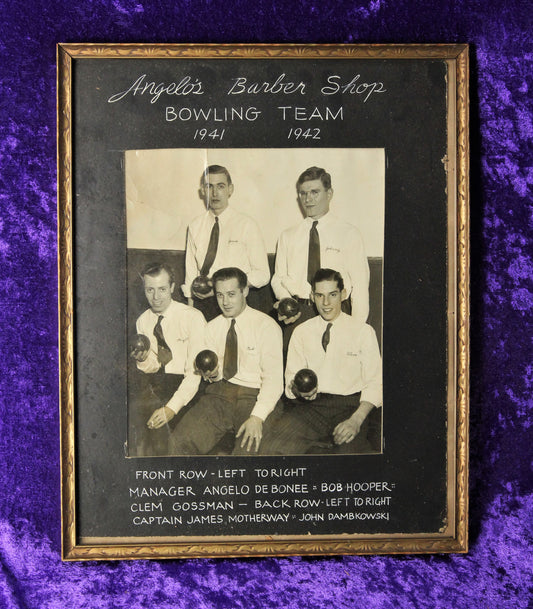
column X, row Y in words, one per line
column 206, row 361
column 139, row 343
column 201, row 285
column 288, row 307
column 305, row 380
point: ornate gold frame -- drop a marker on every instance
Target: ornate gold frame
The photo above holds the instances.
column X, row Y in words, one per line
column 452, row 540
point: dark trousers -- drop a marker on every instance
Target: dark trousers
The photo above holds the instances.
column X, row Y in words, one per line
column 223, row 408
column 306, row 427
column 147, row 393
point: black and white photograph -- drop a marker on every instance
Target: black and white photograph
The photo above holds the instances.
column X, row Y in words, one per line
column 263, row 273
column 274, row 258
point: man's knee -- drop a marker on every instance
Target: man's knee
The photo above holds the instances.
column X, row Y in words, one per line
column 196, row 434
column 285, row 440
column 185, row 438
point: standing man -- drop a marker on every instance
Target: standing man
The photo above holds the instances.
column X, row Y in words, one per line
column 176, row 333
column 321, row 240
column 344, row 354
column 248, row 381
column 221, row 237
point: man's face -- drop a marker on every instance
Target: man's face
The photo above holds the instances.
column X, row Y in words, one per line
column 158, row 291
column 231, row 297
column 328, row 299
column 314, row 198
column 216, row 192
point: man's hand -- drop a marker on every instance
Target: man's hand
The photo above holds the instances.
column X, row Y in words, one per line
column 203, row 296
column 310, row 395
column 251, row 431
column 139, row 355
column 286, row 320
column 210, row 376
column 347, row 430
column 160, row 417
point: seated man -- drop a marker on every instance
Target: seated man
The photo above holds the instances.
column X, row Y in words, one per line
column 248, row 381
column 344, row 354
column 167, row 382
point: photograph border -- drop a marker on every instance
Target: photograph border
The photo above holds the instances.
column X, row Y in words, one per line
column 456, row 56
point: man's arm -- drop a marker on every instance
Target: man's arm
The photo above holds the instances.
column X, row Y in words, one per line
column 252, row 433
column 150, row 364
column 191, row 269
column 280, row 277
column 160, row 417
column 348, row 429
column 196, row 343
column 371, row 367
column 296, row 360
column 189, row 386
column 271, row 364
column 259, row 274
column 357, row 263
column 211, row 343
column 372, row 392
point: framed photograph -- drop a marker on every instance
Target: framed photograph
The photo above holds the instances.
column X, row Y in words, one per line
column 263, row 299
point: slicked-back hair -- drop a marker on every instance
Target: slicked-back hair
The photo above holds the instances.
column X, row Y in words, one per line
column 328, row 275
column 231, row 272
column 216, row 169
column 315, row 173
column 154, row 268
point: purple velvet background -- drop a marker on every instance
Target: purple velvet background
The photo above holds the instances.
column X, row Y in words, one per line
column 497, row 571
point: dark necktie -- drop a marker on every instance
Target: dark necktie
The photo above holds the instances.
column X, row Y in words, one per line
column 313, row 261
column 326, row 337
column 230, row 354
column 164, row 354
column 211, row 249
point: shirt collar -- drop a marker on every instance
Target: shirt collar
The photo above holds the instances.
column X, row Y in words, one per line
column 323, row 220
column 221, row 217
column 166, row 312
column 241, row 316
column 335, row 322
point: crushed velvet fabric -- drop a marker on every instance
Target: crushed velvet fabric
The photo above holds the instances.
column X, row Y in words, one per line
column 497, row 571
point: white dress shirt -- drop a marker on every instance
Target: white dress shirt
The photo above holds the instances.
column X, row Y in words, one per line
column 240, row 244
column 184, row 332
column 260, row 359
column 341, row 249
column 352, row 362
